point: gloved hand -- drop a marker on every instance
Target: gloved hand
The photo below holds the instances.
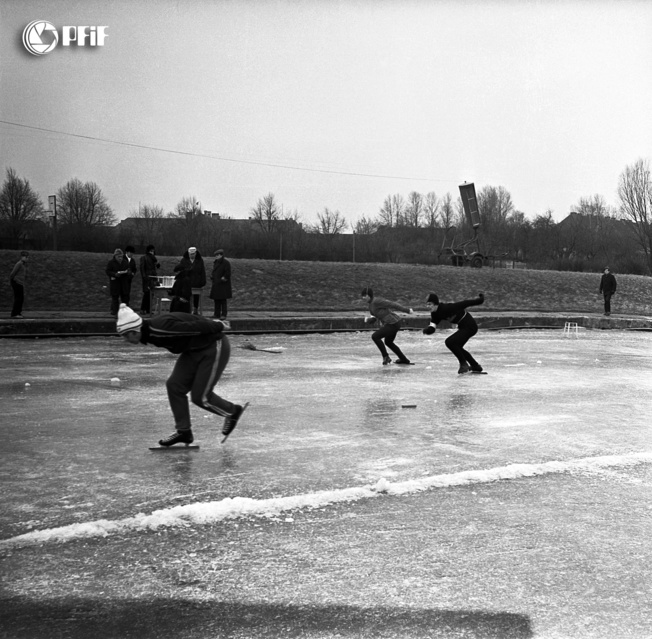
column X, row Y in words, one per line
column 370, row 320
column 481, row 296
column 429, row 330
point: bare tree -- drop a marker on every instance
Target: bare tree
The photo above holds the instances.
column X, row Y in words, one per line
column 447, row 212
column 188, row 207
column 365, row 226
column 19, row 204
column 147, row 221
column 83, row 205
column 635, row 195
column 413, row 210
column 431, row 209
column 267, row 213
column 392, row 211
column 330, row 223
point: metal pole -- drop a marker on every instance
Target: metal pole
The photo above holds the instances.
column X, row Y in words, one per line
column 52, row 200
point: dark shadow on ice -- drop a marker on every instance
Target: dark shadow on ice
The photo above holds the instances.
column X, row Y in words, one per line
column 23, row 618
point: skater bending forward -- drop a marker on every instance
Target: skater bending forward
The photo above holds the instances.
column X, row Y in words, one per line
column 382, row 310
column 456, row 313
column 203, row 351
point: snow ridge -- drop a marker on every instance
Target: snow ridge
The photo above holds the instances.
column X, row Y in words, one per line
column 241, row 507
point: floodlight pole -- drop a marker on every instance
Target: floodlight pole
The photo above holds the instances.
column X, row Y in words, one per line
column 52, row 201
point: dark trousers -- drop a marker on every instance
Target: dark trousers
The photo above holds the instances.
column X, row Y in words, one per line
column 607, row 302
column 195, row 302
column 387, row 333
column 197, row 372
column 19, row 298
column 146, row 302
column 455, row 344
column 220, row 308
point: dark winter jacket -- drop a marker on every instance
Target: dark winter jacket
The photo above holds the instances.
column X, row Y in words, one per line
column 455, row 313
column 119, row 278
column 221, row 276
column 180, row 332
column 148, row 266
column 381, row 309
column 608, row 284
column 195, row 269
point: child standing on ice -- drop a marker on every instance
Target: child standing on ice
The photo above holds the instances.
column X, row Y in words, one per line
column 203, row 355
column 382, row 310
column 456, row 313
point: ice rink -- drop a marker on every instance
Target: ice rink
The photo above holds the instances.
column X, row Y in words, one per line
column 353, row 499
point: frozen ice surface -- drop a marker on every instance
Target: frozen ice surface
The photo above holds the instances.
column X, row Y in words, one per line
column 325, row 415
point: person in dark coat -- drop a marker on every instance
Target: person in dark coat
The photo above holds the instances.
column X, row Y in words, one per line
column 148, row 268
column 203, row 351
column 117, row 271
column 456, row 313
column 221, row 287
column 133, row 269
column 193, row 263
column 607, row 288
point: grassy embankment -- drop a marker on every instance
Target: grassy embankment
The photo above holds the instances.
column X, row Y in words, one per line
column 60, row 281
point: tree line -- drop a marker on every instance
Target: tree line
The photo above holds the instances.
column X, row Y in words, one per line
column 413, row 228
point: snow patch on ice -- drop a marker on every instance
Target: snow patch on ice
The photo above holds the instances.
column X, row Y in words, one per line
column 240, row 507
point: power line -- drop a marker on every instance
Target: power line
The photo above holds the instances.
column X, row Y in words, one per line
column 221, row 158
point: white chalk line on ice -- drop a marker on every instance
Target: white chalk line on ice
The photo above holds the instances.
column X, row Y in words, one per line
column 240, row 507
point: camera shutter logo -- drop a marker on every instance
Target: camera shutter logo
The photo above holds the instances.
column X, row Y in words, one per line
column 40, row 37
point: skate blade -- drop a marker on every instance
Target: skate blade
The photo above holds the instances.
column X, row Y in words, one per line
column 244, row 408
column 194, row 447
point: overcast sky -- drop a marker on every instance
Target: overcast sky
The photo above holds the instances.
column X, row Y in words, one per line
column 329, row 103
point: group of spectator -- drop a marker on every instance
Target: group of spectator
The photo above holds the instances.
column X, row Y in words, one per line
column 190, row 273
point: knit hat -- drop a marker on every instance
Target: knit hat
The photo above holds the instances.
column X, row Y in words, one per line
column 128, row 320
column 192, row 249
column 433, row 299
column 219, row 252
column 367, row 291
column 117, row 252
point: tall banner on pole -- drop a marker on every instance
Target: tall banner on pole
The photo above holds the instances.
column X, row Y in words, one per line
column 470, row 203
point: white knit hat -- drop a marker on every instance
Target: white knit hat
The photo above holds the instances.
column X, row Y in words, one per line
column 128, row 320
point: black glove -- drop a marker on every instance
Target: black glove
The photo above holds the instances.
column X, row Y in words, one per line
column 481, row 296
column 429, row 330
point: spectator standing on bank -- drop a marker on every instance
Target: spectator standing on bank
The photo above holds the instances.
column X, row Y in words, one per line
column 607, row 288
column 193, row 263
column 17, row 279
column 221, row 287
column 148, row 269
column 117, row 271
column 132, row 268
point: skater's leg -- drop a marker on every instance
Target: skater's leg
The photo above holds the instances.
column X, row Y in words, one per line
column 178, row 385
column 455, row 344
column 377, row 337
column 210, row 363
column 389, row 341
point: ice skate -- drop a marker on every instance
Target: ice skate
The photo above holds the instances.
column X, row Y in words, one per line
column 464, row 368
column 387, row 360
column 476, row 368
column 231, row 421
column 178, row 437
column 403, row 360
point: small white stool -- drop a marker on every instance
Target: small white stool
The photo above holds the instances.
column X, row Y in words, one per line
column 571, row 328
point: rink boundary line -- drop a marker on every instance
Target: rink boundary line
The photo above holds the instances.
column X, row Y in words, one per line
column 241, row 507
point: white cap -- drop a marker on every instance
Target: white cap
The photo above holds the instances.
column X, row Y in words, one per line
column 128, row 320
